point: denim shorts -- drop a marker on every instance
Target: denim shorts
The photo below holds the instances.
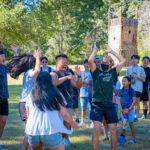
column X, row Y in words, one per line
column 130, row 116
column 84, row 101
column 48, row 141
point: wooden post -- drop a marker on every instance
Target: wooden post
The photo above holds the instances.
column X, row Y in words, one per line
column 121, row 35
column 137, row 28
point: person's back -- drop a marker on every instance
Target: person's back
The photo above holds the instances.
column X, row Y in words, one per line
column 46, row 111
column 44, row 122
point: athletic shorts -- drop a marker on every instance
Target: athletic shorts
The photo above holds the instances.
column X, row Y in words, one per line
column 144, row 97
column 48, row 141
column 138, row 94
column 22, row 111
column 3, row 107
column 75, row 102
column 108, row 110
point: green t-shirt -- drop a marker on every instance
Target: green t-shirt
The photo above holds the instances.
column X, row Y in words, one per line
column 103, row 85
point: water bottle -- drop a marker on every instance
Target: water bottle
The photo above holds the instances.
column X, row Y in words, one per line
column 125, row 121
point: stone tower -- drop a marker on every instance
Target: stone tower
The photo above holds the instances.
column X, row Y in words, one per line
column 122, row 36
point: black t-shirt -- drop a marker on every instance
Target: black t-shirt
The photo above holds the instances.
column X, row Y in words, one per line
column 145, row 84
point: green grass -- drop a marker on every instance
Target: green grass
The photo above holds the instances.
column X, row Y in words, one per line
column 81, row 140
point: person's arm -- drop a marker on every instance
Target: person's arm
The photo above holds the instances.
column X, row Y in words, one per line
column 138, row 77
column 27, row 112
column 134, row 101
column 77, row 83
column 119, row 103
column 65, row 115
column 121, row 59
column 90, row 88
column 14, row 49
column 57, row 81
column 91, row 59
column 36, row 71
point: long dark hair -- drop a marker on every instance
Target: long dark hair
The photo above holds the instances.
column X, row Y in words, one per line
column 45, row 95
column 130, row 89
column 20, row 64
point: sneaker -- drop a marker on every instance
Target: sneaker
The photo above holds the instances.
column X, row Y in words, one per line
column 132, row 141
column 67, row 142
column 121, row 140
column 105, row 139
column 81, row 124
column 77, row 120
column 143, row 117
column 1, row 148
column 135, row 119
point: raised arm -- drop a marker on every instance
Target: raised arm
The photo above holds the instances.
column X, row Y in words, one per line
column 14, row 49
column 37, row 55
column 91, row 59
column 77, row 83
column 121, row 59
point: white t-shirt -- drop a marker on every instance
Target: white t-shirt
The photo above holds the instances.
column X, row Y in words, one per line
column 28, row 83
column 85, row 76
column 137, row 85
column 117, row 87
column 43, row 123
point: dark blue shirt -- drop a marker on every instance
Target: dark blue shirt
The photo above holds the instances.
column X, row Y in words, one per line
column 3, row 83
column 65, row 89
column 127, row 97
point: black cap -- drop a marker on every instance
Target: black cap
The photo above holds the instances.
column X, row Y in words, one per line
column 85, row 61
column 146, row 57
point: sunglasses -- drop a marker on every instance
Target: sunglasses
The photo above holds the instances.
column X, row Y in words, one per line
column 44, row 62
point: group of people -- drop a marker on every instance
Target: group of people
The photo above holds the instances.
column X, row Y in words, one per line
column 48, row 95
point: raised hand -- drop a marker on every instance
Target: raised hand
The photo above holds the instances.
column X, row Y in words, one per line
column 107, row 49
column 14, row 49
column 95, row 47
column 78, row 72
column 37, row 54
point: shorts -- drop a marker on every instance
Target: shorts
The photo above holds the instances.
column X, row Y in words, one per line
column 138, row 94
column 84, row 101
column 130, row 116
column 116, row 107
column 48, row 141
column 108, row 110
column 75, row 102
column 22, row 111
column 3, row 107
column 144, row 97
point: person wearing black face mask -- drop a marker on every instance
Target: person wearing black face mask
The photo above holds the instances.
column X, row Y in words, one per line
column 103, row 81
column 104, row 67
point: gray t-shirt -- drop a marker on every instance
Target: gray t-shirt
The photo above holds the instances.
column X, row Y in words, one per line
column 137, row 84
column 3, row 83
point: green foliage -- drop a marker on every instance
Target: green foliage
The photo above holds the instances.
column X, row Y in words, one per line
column 61, row 26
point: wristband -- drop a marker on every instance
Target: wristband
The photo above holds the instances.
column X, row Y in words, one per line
column 79, row 76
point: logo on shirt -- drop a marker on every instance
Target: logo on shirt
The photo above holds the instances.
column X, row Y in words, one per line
column 107, row 77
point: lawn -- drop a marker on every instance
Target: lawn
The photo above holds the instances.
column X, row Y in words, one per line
column 81, row 140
